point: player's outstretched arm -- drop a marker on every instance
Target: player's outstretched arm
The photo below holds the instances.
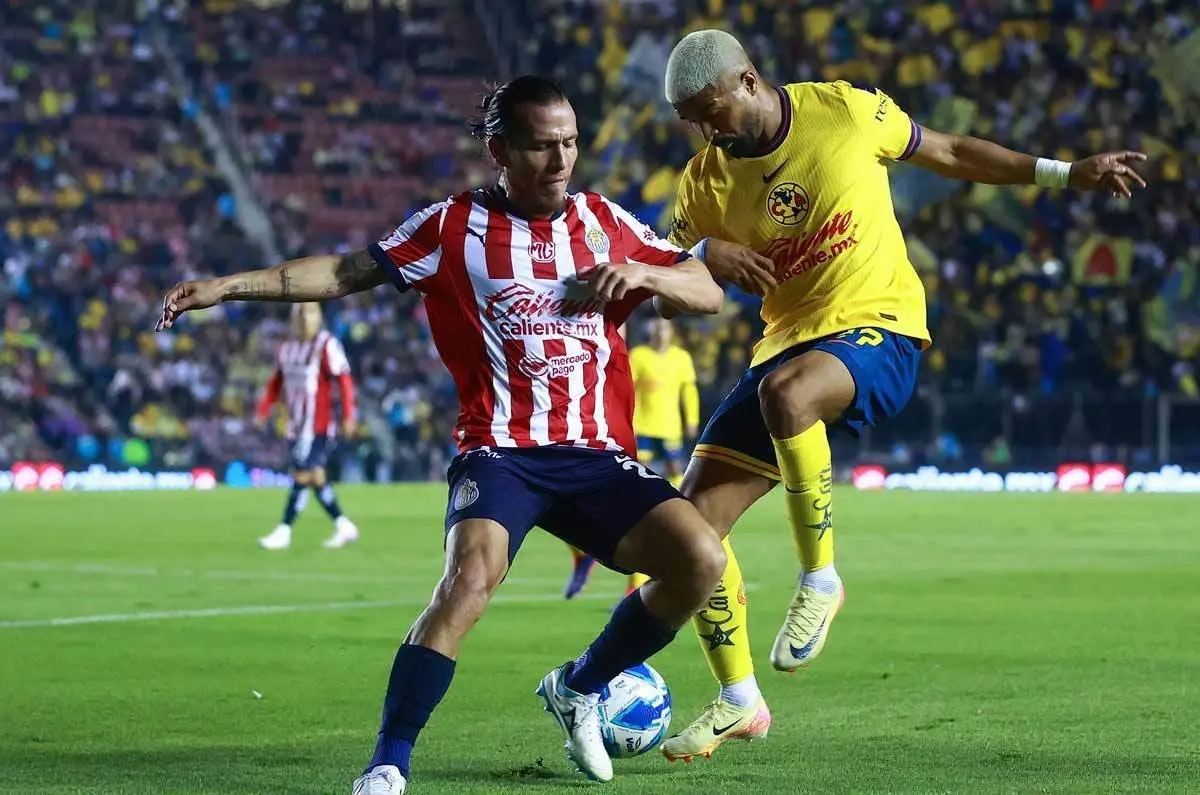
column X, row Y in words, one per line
column 976, row 160
column 307, row 279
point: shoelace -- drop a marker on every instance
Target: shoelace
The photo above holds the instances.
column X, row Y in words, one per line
column 805, row 608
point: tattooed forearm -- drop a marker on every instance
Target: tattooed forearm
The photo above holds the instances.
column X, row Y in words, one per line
column 308, row 279
column 358, row 271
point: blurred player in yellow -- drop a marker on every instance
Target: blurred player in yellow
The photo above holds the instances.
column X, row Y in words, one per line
column 666, row 406
column 790, row 199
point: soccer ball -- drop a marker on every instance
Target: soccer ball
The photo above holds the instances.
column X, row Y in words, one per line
column 635, row 712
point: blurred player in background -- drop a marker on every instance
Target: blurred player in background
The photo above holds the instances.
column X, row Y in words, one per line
column 526, row 286
column 790, row 199
column 307, row 368
column 666, row 405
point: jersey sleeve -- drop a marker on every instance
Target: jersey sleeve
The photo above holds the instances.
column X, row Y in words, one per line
column 891, row 132
column 412, row 254
column 335, row 357
column 640, row 243
column 688, row 226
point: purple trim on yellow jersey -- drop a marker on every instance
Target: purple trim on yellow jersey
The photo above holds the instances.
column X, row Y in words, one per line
column 785, row 126
column 914, row 142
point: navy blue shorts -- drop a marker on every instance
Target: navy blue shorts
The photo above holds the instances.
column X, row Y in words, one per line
column 313, row 453
column 884, row 368
column 589, row 498
column 655, row 448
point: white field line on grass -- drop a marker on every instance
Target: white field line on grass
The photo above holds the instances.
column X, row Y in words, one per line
column 310, row 576
column 252, row 610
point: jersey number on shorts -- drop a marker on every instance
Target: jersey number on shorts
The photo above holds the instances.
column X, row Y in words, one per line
column 866, row 336
column 634, row 466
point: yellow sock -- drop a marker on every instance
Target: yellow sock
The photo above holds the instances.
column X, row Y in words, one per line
column 636, row 581
column 807, row 469
column 721, row 626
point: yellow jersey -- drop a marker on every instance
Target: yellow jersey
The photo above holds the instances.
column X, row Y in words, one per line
column 818, row 204
column 663, row 382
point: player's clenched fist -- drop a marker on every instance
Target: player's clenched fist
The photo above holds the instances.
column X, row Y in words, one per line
column 1110, row 171
column 612, row 281
column 736, row 264
column 187, row 296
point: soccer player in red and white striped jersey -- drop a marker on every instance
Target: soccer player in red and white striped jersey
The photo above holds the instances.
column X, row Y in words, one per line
column 526, row 286
column 308, row 367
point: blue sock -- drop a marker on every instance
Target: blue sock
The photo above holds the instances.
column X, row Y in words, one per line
column 297, row 496
column 420, row 678
column 328, row 500
column 632, row 636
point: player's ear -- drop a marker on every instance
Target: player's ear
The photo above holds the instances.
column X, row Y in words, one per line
column 496, row 149
column 750, row 82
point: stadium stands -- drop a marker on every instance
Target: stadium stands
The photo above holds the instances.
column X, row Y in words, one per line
column 1058, row 318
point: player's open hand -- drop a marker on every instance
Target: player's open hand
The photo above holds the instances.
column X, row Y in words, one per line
column 187, row 296
column 736, row 264
column 1110, row 171
column 612, row 281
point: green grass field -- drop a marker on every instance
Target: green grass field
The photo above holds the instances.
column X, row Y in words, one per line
column 990, row 643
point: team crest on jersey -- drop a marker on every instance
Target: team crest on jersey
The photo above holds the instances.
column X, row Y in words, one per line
column 466, row 494
column 541, row 251
column 596, row 240
column 788, row 203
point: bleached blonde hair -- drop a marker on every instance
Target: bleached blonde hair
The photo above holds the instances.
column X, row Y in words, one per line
column 702, row 59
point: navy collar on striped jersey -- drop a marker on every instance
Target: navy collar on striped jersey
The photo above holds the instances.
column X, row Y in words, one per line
column 495, row 197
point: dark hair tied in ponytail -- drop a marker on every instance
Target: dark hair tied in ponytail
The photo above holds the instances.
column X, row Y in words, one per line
column 497, row 110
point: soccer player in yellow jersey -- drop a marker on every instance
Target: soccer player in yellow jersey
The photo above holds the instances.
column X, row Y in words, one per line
column 666, row 403
column 666, row 406
column 790, row 199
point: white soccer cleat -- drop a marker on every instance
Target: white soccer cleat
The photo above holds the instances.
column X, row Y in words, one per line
column 280, row 538
column 381, row 780
column 344, row 532
column 806, row 628
column 579, row 719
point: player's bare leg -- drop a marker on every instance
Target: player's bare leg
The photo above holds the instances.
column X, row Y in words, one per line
column 721, row 493
column 797, row 400
column 281, row 537
column 675, row 478
column 684, row 559
column 476, row 561
column 344, row 531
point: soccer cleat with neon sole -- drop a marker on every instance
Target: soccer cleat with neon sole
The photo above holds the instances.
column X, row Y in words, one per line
column 806, row 628
column 720, row 723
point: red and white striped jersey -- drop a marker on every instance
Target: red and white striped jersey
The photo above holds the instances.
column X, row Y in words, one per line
column 536, row 357
column 305, row 371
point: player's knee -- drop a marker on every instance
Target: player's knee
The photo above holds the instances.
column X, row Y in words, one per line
column 786, row 401
column 467, row 586
column 318, row 477
column 705, row 561
column 303, row 477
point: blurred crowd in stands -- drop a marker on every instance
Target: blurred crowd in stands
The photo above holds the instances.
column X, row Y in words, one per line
column 342, row 118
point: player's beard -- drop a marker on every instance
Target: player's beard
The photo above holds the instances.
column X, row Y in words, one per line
column 741, row 146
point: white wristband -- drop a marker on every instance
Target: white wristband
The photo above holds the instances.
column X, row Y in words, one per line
column 699, row 250
column 1049, row 173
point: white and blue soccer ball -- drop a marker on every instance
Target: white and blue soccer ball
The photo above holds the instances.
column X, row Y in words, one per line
column 635, row 712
